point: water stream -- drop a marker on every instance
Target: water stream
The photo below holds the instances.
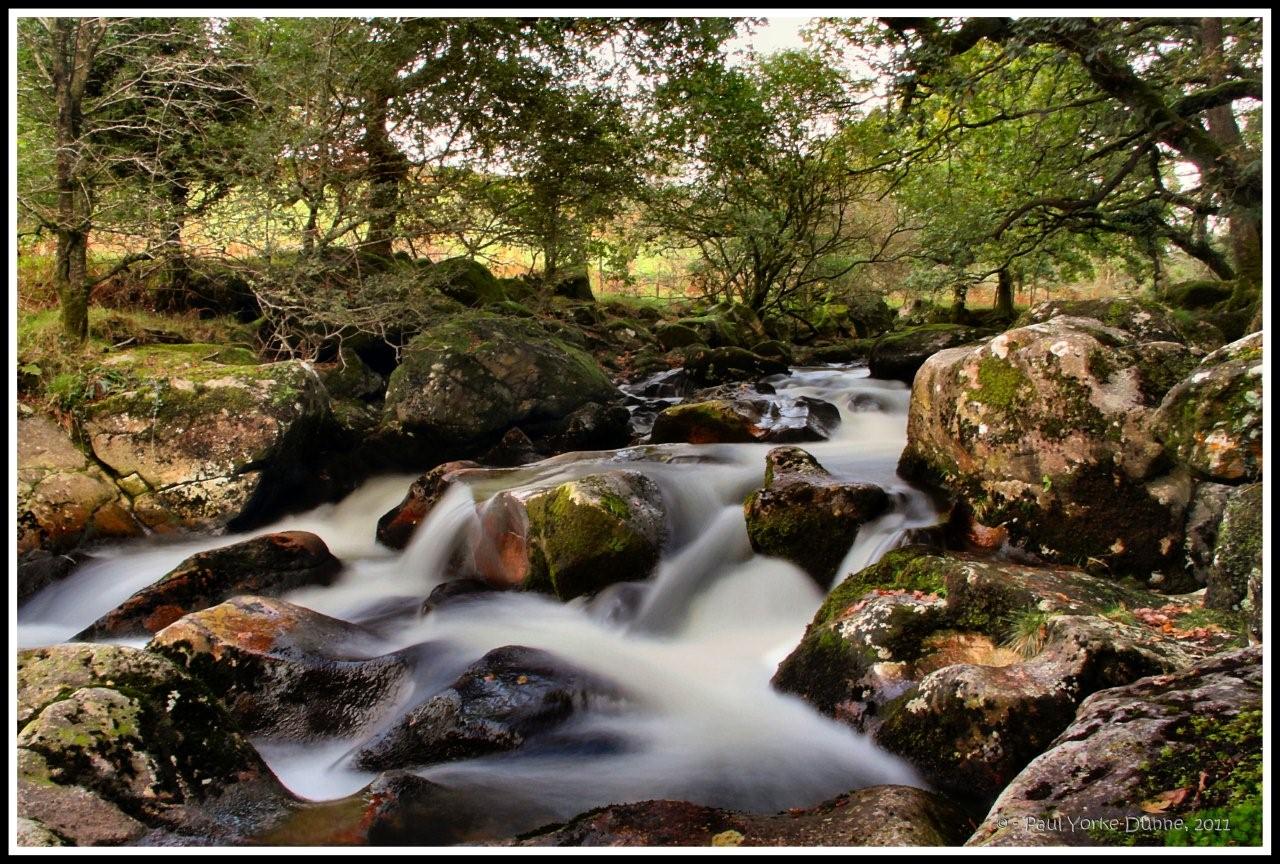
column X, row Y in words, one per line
column 694, row 646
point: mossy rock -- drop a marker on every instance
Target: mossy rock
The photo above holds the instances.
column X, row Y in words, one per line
column 1237, row 555
column 1197, row 294
column 899, row 355
column 1211, row 422
column 467, row 281
column 1140, row 759
column 1145, row 320
column 132, row 731
column 1047, row 431
column 593, row 532
column 805, row 515
column 677, row 336
column 473, row 376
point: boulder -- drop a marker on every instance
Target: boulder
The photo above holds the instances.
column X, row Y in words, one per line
column 468, row 379
column 1204, row 517
column 39, row 568
column 114, row 741
column 268, row 565
column 1183, row 746
column 396, row 526
column 898, row 356
column 676, row 335
column 64, row 499
column 507, row 696
column 204, row 444
column 745, row 417
column 1211, row 421
column 969, row 667
column 875, row 816
column 575, row 285
column 1144, row 320
column 805, row 515
column 1046, row 431
column 875, row 633
column 285, row 672
column 593, row 426
column 349, row 377
column 467, row 281
column 707, row 366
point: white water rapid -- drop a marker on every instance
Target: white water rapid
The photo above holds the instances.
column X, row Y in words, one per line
column 694, row 646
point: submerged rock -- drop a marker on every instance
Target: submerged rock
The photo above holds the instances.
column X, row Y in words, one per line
column 471, row 377
column 875, row 816
column 506, row 697
column 114, row 742
column 268, row 565
column 202, row 437
column 64, row 499
column 1212, row 420
column 285, row 672
column 805, row 515
column 1047, row 431
column 1162, row 748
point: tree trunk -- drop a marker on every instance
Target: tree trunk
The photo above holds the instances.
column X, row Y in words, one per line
column 1244, row 222
column 1004, row 293
column 71, row 280
column 959, row 293
column 178, row 267
column 386, row 170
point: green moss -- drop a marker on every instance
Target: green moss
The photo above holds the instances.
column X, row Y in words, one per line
column 1001, row 385
column 912, row 568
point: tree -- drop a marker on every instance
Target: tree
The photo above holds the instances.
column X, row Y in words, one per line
column 1131, row 99
column 760, row 184
column 113, row 101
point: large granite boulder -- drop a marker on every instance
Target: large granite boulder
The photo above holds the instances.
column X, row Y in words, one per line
column 202, row 437
column 114, row 742
column 470, row 377
column 1047, row 431
column 900, row 355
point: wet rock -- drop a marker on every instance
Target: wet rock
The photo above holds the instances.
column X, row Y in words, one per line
column 206, row 444
column 745, row 417
column 396, row 526
column 1046, row 430
column 592, row 532
column 1212, row 420
column 285, row 672
column 709, row 366
column 268, row 565
column 114, row 741
column 514, row 449
column 499, row 702
column 805, row 515
column 402, row 809
column 592, row 427
column 1157, row 749
column 899, row 355
column 1237, row 554
column 64, row 499
column 875, row 816
column 452, row 591
column 39, row 568
column 471, row 377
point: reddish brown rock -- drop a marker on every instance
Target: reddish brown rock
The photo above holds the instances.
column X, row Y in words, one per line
column 268, row 565
column 397, row 525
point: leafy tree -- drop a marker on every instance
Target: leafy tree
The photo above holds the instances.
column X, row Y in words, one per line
column 761, row 185
column 1102, row 110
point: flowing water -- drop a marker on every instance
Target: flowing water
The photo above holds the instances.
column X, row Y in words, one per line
column 694, row 646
